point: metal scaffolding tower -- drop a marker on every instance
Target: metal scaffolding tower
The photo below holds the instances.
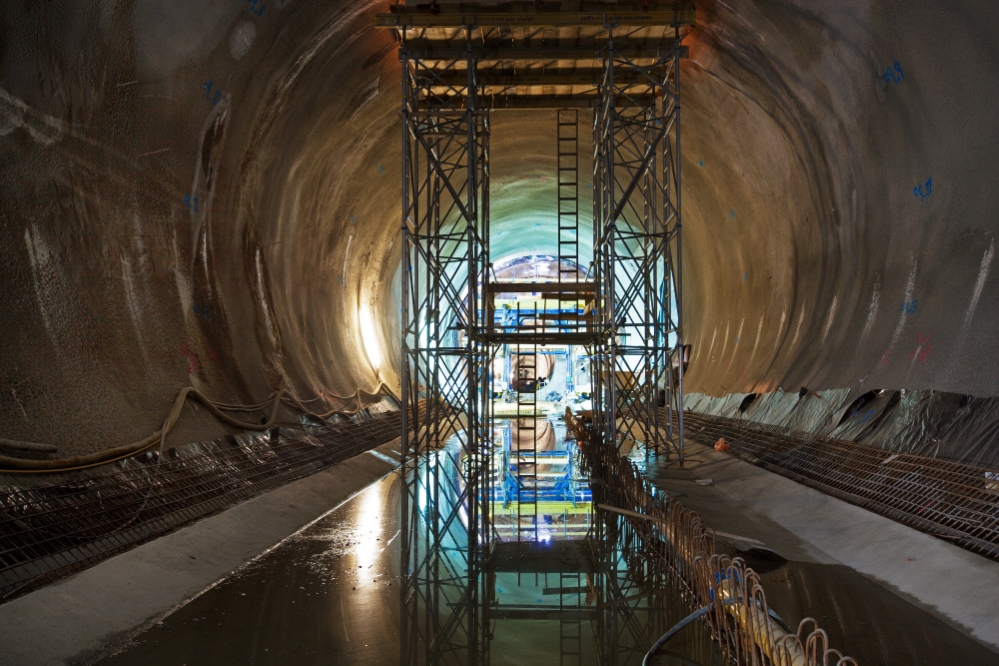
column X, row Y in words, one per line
column 460, row 61
column 445, row 224
column 636, row 182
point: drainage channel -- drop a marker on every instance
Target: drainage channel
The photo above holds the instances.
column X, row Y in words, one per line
column 53, row 531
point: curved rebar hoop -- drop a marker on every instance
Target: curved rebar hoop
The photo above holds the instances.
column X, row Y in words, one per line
column 739, row 617
column 816, row 644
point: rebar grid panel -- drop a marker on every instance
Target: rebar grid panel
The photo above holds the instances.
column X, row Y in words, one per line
column 54, row 531
column 739, row 617
column 637, row 248
column 639, row 597
column 445, row 227
column 952, row 501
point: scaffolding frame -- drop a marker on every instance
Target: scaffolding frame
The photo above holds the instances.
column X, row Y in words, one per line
column 637, row 250
column 457, row 64
column 445, row 226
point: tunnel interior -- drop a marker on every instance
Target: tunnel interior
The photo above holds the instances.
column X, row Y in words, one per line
column 203, row 199
column 208, row 196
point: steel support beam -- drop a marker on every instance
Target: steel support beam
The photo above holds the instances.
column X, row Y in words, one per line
column 675, row 14
column 432, row 51
column 513, row 101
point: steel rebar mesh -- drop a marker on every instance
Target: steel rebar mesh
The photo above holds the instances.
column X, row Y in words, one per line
column 739, row 615
column 54, row 531
column 952, row 501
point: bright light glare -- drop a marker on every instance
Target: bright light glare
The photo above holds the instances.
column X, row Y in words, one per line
column 370, row 337
column 367, row 550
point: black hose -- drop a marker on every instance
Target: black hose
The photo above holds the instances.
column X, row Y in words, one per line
column 699, row 613
column 778, row 620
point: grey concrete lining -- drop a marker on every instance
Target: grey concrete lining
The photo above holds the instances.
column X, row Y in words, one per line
column 949, row 582
column 77, row 618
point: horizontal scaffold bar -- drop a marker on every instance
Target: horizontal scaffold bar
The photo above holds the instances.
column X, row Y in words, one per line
column 432, row 52
column 524, row 14
column 541, row 338
column 509, row 101
column 564, row 614
column 542, row 508
column 537, row 77
column 541, row 287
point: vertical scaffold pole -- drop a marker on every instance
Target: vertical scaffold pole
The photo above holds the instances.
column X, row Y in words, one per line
column 404, row 390
column 445, row 363
column 678, row 273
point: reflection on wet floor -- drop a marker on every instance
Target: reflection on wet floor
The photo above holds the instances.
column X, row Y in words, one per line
column 331, row 595
column 327, row 595
column 536, row 490
column 877, row 626
column 558, row 586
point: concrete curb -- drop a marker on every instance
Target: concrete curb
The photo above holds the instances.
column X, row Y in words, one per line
column 953, row 584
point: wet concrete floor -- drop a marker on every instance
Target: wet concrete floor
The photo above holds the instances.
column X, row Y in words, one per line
column 326, row 595
column 330, row 595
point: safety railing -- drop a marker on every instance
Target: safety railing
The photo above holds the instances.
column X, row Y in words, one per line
column 737, row 610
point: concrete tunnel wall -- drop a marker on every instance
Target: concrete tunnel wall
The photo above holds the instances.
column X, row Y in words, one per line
column 808, row 259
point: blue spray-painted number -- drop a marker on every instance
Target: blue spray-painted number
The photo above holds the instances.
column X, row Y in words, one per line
column 253, row 7
column 209, row 87
column 889, row 75
column 201, row 312
column 910, row 307
column 191, row 202
column 924, row 190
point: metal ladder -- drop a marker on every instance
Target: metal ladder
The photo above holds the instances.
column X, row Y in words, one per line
column 568, row 194
column 570, row 631
column 527, row 410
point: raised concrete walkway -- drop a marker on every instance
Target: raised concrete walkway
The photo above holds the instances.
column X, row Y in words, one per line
column 955, row 585
column 75, row 620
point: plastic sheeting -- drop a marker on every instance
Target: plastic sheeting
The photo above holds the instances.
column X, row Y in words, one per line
column 810, row 412
column 941, row 425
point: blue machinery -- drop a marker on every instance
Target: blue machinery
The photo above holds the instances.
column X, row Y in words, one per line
column 459, row 63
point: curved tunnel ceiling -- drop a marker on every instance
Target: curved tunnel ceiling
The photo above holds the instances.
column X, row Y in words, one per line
column 198, row 193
